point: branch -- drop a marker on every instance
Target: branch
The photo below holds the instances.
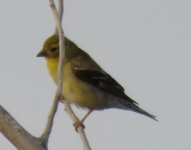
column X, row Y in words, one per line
column 80, row 129
column 58, row 19
column 46, row 134
column 60, row 9
column 16, row 134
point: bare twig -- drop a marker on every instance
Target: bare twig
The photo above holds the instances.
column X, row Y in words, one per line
column 45, row 135
column 80, row 129
column 58, row 18
column 60, row 9
column 16, row 134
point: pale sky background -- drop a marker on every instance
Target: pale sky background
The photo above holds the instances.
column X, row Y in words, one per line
column 144, row 44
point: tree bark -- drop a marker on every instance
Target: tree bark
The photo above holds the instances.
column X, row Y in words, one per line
column 16, row 134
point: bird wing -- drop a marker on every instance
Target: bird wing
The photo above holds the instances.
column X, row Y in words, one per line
column 101, row 80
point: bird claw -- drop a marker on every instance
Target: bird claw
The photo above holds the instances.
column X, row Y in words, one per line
column 78, row 124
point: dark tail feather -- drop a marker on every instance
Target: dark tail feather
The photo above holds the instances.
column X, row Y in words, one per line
column 137, row 109
column 133, row 107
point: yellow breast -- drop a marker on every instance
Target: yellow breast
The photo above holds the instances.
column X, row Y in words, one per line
column 52, row 65
column 74, row 89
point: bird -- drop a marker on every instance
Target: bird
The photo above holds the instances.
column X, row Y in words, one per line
column 85, row 83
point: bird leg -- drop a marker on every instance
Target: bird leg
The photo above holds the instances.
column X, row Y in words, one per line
column 80, row 122
column 88, row 113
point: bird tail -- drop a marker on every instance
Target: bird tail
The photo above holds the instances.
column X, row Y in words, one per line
column 133, row 106
column 137, row 109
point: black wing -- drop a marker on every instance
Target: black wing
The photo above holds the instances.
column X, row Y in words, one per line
column 102, row 81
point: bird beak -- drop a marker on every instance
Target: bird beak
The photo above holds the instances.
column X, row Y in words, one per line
column 42, row 53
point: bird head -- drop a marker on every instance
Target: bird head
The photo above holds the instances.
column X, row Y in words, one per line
column 50, row 48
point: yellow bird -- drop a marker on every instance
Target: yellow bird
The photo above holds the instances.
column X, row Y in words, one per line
column 85, row 83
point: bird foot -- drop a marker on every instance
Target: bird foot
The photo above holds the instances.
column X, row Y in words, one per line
column 78, row 124
column 61, row 98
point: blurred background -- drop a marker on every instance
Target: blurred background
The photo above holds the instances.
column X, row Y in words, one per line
column 144, row 45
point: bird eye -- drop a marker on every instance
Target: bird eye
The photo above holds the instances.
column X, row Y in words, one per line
column 53, row 49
